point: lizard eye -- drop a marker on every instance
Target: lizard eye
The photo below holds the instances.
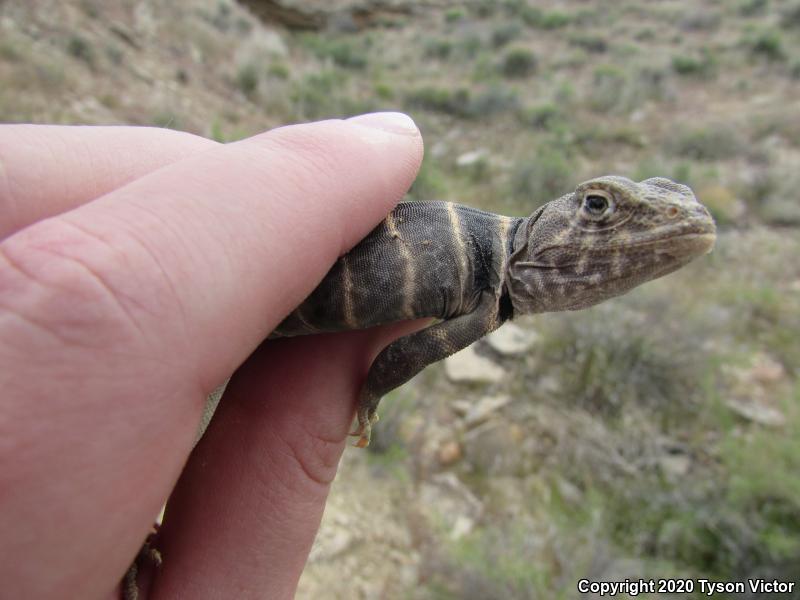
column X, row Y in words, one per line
column 596, row 203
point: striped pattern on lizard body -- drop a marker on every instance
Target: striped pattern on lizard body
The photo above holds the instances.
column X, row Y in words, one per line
column 471, row 270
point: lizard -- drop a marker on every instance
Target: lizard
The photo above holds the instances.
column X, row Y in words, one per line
column 470, row 270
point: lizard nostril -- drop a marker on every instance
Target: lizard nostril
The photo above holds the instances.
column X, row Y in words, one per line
column 672, row 212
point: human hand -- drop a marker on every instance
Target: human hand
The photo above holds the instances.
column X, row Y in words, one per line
column 139, row 268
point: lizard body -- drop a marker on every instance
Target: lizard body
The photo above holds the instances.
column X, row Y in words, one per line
column 471, row 270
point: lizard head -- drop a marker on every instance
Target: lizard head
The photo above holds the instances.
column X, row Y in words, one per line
column 606, row 237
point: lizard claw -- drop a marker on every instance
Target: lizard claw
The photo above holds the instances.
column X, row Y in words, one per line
column 364, row 429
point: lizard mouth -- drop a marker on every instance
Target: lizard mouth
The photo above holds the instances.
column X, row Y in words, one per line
column 690, row 245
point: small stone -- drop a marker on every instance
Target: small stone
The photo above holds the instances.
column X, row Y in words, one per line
column 767, row 370
column 449, row 452
column 333, row 545
column 675, row 465
column 484, row 408
column 470, row 158
column 512, row 340
column 756, row 412
column 461, row 407
column 468, row 366
column 463, row 526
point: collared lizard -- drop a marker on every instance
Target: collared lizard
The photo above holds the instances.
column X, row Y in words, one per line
column 472, row 270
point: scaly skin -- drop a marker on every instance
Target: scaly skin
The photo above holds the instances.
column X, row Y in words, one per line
column 472, row 270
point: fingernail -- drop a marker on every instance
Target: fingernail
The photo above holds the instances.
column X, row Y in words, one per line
column 392, row 122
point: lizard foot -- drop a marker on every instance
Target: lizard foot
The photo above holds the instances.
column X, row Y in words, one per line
column 147, row 554
column 366, row 419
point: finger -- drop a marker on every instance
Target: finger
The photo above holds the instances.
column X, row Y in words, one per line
column 49, row 169
column 248, row 505
column 121, row 315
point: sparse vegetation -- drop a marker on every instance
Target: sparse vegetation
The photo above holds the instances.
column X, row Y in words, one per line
column 620, row 439
column 767, row 44
column 703, row 65
column 542, row 177
column 712, row 142
column 247, row 80
column 518, row 62
column 78, row 47
column 505, row 33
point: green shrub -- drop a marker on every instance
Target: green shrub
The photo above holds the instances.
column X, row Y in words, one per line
column 454, row 14
column 460, row 102
column 440, row 99
column 592, row 43
column 712, row 142
column 315, row 95
column 470, row 45
column 8, row 51
column 607, row 89
column 700, row 19
column 343, row 52
column 278, row 70
column 492, row 101
column 483, row 8
column 430, row 183
column 247, row 80
column 80, row 48
column 505, row 33
column 438, row 48
column 383, row 90
column 518, row 62
column 703, row 65
column 539, row 179
column 749, row 8
column 536, row 17
column 767, row 44
column 546, row 117
column 612, row 358
column 790, row 16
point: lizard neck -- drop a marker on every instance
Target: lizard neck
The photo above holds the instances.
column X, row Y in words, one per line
column 505, row 306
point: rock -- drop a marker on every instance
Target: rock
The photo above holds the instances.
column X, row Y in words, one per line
column 767, row 370
column 470, row 158
column 493, row 449
column 757, row 412
column 461, row 407
column 483, row 409
column 288, row 14
column 468, row 366
column 569, row 491
column 445, row 500
column 674, row 465
column 512, row 340
column 462, row 526
column 344, row 15
column 449, row 452
column 331, row 546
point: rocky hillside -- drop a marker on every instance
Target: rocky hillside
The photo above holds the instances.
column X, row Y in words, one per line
column 653, row 436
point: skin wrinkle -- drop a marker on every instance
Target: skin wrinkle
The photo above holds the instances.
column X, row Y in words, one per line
column 125, row 302
column 48, row 286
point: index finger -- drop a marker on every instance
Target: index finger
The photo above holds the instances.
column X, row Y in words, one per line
column 120, row 316
column 49, row 169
